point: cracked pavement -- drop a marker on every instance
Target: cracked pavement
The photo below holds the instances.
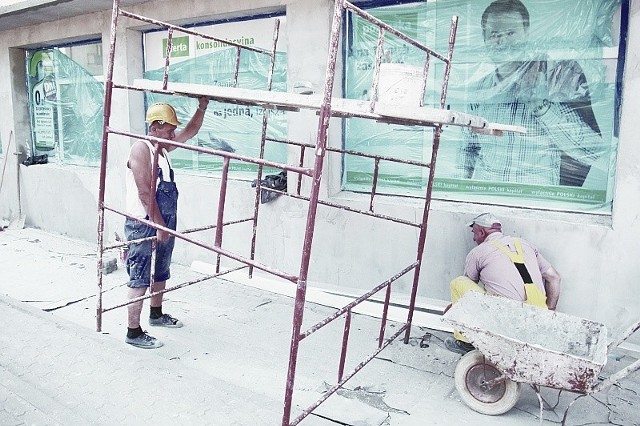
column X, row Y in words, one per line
column 228, row 364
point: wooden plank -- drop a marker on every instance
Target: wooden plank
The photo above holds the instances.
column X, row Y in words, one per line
column 263, row 98
column 427, row 313
column 340, row 107
column 422, row 114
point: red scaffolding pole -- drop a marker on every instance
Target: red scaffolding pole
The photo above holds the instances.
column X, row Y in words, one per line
column 326, row 106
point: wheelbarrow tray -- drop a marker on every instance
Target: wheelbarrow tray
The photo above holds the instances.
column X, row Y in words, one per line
column 530, row 344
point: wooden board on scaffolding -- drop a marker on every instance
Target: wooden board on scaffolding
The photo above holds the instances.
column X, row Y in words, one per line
column 340, row 107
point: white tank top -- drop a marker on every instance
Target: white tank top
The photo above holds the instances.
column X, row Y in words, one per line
column 134, row 205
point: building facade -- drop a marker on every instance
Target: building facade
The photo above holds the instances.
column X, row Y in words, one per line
column 583, row 217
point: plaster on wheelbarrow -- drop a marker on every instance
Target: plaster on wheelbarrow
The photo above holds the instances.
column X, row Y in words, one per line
column 532, row 345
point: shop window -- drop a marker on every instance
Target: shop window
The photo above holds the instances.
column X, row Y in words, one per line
column 66, row 97
column 226, row 127
column 552, row 68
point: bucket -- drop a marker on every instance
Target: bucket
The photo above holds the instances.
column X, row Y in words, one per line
column 400, row 84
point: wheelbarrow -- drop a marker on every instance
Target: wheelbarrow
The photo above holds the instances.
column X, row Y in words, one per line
column 518, row 343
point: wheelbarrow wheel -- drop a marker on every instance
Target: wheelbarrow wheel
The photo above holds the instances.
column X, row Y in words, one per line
column 472, row 373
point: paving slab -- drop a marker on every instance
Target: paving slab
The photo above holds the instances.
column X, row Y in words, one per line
column 228, row 364
column 66, row 373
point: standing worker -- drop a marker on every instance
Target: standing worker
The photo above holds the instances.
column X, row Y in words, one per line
column 160, row 208
column 505, row 266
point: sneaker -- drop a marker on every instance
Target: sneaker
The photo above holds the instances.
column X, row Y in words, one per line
column 458, row 346
column 165, row 320
column 144, row 341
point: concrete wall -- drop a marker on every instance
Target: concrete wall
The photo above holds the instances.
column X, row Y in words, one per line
column 595, row 255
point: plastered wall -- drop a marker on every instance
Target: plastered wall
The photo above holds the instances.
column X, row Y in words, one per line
column 596, row 256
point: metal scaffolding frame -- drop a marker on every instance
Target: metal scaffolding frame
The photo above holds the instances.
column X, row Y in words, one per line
column 326, row 106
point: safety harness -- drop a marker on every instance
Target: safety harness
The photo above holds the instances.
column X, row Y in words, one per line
column 535, row 297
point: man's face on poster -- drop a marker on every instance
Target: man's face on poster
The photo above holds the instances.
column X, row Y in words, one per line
column 505, row 36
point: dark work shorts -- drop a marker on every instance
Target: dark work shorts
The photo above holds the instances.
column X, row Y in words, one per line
column 139, row 255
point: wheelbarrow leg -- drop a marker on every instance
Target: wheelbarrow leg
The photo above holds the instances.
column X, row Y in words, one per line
column 540, row 401
column 612, row 380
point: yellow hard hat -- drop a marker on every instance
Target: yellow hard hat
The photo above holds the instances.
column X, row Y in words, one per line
column 162, row 112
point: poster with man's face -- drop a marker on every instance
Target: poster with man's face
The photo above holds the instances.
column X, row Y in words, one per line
column 547, row 66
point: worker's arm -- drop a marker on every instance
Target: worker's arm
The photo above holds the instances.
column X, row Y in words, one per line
column 193, row 126
column 551, row 279
column 140, row 164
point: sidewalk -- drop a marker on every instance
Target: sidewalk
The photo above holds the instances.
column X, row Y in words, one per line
column 57, row 372
column 227, row 366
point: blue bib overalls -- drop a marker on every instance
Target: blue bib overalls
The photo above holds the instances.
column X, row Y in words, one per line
column 139, row 256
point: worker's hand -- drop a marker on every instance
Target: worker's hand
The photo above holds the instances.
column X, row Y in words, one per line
column 203, row 101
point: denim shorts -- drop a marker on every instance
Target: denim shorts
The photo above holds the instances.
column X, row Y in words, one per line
column 139, row 255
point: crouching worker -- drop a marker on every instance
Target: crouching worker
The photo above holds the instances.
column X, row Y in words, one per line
column 504, row 266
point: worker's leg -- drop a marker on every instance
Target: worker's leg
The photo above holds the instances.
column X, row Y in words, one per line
column 459, row 286
column 134, row 309
column 162, row 274
column 138, row 268
column 156, row 300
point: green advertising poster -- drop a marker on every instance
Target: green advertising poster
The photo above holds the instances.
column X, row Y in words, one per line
column 44, row 95
column 66, row 104
column 226, row 127
column 548, row 66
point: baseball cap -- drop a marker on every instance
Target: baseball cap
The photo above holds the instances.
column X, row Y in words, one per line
column 486, row 220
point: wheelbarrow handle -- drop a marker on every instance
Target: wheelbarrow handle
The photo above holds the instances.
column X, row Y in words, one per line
column 624, row 336
column 616, row 377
